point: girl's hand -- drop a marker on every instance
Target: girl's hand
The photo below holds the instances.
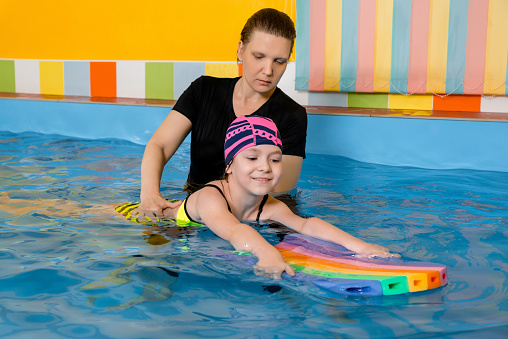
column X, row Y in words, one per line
column 373, row 250
column 272, row 266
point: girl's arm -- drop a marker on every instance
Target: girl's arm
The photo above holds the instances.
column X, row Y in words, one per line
column 321, row 229
column 212, row 209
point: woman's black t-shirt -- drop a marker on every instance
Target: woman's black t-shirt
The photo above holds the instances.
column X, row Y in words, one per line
column 208, row 104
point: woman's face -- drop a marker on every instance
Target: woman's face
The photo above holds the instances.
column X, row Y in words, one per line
column 264, row 59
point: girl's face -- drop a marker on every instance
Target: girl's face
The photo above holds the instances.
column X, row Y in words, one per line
column 264, row 60
column 257, row 169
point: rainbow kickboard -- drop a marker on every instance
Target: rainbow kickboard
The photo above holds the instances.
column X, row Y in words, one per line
column 334, row 268
column 319, row 258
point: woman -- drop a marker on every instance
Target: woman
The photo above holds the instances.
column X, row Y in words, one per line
column 210, row 104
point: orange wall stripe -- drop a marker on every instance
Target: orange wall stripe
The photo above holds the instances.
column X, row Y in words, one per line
column 103, row 79
column 463, row 103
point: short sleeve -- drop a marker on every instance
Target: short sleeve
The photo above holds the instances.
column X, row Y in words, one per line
column 294, row 132
column 188, row 103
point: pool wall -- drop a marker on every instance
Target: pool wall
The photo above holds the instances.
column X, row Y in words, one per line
column 426, row 143
column 397, row 141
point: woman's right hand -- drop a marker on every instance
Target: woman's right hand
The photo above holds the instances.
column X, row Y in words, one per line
column 161, row 147
column 158, row 207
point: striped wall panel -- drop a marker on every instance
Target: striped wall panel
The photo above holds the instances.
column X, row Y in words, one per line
column 127, row 79
column 403, row 46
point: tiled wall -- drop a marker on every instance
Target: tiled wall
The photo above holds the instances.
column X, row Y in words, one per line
column 130, row 79
column 167, row 80
column 399, row 46
column 461, row 103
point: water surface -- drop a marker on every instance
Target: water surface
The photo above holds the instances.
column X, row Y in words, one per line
column 72, row 268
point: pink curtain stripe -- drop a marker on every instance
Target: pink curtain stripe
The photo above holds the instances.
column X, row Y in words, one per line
column 366, row 44
column 418, row 46
column 317, row 45
column 474, row 71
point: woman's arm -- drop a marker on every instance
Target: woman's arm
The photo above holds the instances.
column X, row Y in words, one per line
column 291, row 169
column 161, row 147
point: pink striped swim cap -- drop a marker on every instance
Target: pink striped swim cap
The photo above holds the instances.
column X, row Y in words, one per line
column 248, row 131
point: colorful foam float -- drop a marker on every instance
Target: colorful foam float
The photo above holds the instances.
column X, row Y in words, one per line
column 333, row 267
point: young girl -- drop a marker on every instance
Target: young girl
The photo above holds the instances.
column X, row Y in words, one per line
column 253, row 152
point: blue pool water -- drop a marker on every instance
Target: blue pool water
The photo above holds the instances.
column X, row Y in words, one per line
column 70, row 270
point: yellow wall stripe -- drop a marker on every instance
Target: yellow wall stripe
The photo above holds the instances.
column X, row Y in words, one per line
column 221, row 70
column 52, row 77
column 438, row 45
column 399, row 101
column 383, row 45
column 333, row 41
column 497, row 47
column 200, row 30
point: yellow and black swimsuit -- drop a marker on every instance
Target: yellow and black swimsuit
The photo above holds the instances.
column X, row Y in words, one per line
column 183, row 215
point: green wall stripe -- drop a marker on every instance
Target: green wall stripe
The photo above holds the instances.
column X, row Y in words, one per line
column 7, row 76
column 159, row 80
column 367, row 100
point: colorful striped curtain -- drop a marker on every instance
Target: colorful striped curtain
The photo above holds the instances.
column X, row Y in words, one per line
column 402, row 46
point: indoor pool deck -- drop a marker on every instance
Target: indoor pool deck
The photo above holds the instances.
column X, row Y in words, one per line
column 419, row 138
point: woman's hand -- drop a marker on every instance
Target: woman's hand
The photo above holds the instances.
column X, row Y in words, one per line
column 272, row 265
column 158, row 207
column 161, row 147
column 372, row 250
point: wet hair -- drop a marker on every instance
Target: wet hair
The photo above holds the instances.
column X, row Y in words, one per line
column 271, row 21
column 225, row 176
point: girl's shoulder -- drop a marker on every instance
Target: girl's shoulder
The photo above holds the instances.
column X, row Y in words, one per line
column 274, row 206
column 208, row 198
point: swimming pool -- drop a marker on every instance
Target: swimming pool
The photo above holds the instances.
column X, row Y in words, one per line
column 67, row 272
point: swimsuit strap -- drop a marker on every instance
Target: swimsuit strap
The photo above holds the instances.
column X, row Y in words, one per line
column 187, row 199
column 218, row 188
column 229, row 208
column 261, row 207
